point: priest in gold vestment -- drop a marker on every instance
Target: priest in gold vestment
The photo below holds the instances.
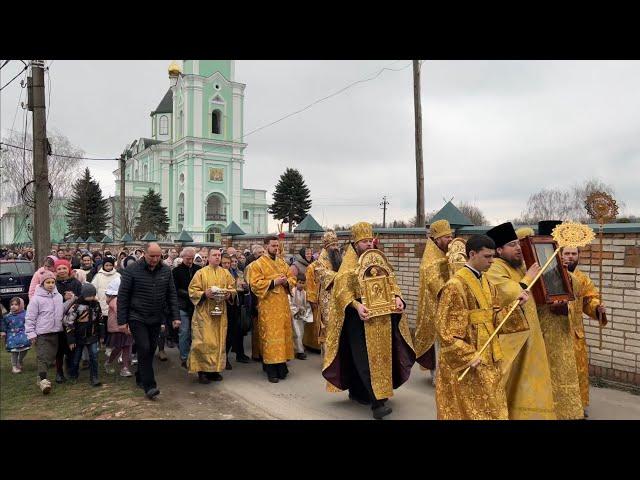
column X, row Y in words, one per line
column 271, row 281
column 558, row 339
column 325, row 270
column 208, row 355
column 587, row 301
column 368, row 356
column 467, row 314
column 525, row 365
column 434, row 273
column 311, row 338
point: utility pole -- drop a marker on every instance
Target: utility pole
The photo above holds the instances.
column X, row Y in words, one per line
column 123, row 223
column 41, row 233
column 420, row 220
column 383, row 206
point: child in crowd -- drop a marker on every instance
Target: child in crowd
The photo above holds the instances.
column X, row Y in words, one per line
column 120, row 339
column 84, row 327
column 13, row 331
column 300, row 314
column 43, row 323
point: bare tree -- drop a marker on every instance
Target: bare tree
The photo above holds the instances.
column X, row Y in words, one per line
column 17, row 165
column 473, row 213
column 117, row 227
column 559, row 204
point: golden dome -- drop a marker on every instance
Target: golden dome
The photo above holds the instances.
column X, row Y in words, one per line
column 174, row 68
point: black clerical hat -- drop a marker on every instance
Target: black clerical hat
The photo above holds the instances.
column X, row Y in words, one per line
column 546, row 226
column 502, row 234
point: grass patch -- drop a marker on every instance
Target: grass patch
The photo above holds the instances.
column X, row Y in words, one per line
column 21, row 398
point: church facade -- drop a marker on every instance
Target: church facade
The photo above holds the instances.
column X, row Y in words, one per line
column 195, row 155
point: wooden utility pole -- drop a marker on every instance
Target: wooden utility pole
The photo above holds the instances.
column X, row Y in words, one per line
column 41, row 232
column 420, row 220
column 123, row 223
column 383, row 206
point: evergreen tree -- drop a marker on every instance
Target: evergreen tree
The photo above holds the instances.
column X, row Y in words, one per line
column 87, row 210
column 291, row 200
column 152, row 216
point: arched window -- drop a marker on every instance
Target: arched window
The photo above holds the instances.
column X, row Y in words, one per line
column 211, row 231
column 181, row 207
column 216, row 118
column 164, row 125
column 145, row 169
column 216, row 209
column 180, row 124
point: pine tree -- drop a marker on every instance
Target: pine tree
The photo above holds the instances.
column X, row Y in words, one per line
column 291, row 200
column 152, row 216
column 87, row 210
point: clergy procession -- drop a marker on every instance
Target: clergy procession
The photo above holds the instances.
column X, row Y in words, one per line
column 498, row 325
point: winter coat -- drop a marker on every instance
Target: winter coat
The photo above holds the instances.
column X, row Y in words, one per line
column 69, row 285
column 101, row 281
column 83, row 323
column 44, row 313
column 146, row 294
column 301, row 265
column 182, row 276
column 13, row 326
column 112, row 319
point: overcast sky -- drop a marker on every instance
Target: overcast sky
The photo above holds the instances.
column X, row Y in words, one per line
column 494, row 131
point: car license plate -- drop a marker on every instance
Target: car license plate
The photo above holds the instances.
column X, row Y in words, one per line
column 11, row 290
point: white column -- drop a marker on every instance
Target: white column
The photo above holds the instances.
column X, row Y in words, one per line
column 197, row 109
column 165, row 182
column 236, row 200
column 198, row 201
column 237, row 114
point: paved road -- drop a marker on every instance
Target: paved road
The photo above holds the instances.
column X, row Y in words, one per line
column 302, row 396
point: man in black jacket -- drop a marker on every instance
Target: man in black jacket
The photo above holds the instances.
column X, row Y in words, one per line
column 182, row 276
column 146, row 292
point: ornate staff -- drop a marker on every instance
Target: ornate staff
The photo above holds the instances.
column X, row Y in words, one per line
column 567, row 234
column 603, row 209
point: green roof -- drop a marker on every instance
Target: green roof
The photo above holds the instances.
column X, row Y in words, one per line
column 451, row 214
column 233, row 229
column 107, row 239
column 79, row 240
column 184, row 237
column 149, row 237
column 126, row 238
column 90, row 240
column 308, row 225
column 166, row 104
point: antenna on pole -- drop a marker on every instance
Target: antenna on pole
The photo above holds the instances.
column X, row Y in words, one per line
column 383, row 206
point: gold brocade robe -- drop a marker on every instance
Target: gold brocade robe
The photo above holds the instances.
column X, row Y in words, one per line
column 525, row 366
column 586, row 302
column 385, row 373
column 255, row 334
column 434, row 273
column 467, row 315
column 208, row 332
column 274, row 314
column 325, row 275
column 312, row 330
column 558, row 340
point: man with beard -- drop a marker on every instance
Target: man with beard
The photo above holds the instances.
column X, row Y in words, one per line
column 272, row 282
column 368, row 356
column 558, row 339
column 587, row 301
column 325, row 270
column 525, row 365
column 434, row 273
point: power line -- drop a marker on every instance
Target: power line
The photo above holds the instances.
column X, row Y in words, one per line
column 19, row 73
column 62, row 156
column 5, row 62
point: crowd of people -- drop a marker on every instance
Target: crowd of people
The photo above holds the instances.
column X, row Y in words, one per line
column 204, row 301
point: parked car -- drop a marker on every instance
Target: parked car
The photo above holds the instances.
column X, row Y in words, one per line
column 15, row 278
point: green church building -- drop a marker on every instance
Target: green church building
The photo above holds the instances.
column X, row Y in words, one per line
column 195, row 155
